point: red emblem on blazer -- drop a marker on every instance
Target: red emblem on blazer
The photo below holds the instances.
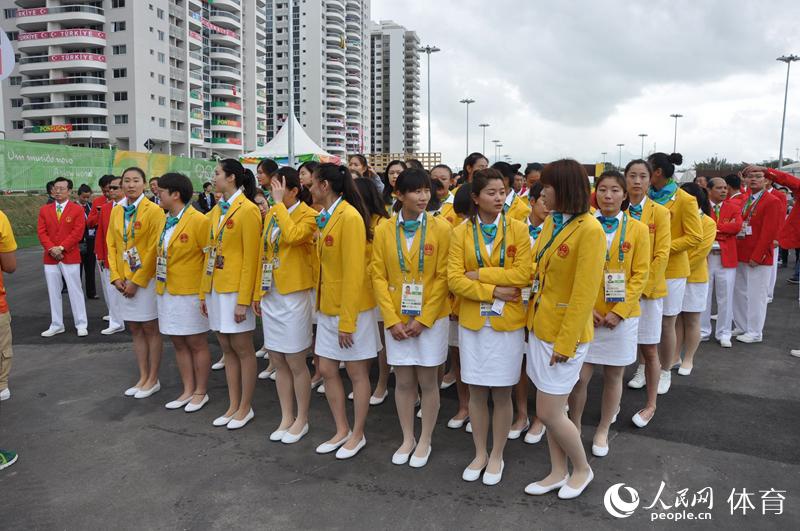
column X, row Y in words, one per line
column 449, row 218
column 652, row 228
column 184, row 238
column 428, row 249
column 512, row 251
column 626, row 246
column 563, row 250
column 328, row 240
column 69, row 219
column 229, row 224
column 137, row 225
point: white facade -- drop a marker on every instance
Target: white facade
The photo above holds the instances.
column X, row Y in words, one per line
column 187, row 74
column 395, row 88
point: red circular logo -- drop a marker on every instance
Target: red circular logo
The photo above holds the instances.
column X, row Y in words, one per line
column 563, row 250
column 328, row 240
column 652, row 228
column 184, row 238
column 137, row 225
column 229, row 224
column 69, row 219
column 512, row 251
column 626, row 246
column 428, row 249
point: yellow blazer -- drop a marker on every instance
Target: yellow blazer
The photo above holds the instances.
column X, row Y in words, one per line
column 515, row 273
column 388, row 279
column 186, row 257
column 143, row 235
column 686, row 233
column 239, row 247
column 344, row 288
column 656, row 218
column 636, row 265
column 518, row 209
column 295, row 249
column 569, row 274
column 447, row 213
column 698, row 264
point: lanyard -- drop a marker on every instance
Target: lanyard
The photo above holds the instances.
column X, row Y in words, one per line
column 161, row 249
column 421, row 265
column 621, row 241
column 221, row 230
column 131, row 226
column 268, row 236
column 553, row 236
column 478, row 249
column 750, row 206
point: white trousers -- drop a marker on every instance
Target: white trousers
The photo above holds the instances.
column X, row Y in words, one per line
column 72, row 276
column 720, row 280
column 773, row 274
column 112, row 297
column 750, row 298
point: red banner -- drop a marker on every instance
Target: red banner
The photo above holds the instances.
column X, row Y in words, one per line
column 78, row 57
column 213, row 27
column 60, row 34
column 33, row 12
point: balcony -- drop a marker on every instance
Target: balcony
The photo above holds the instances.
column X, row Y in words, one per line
column 65, row 131
column 226, row 125
column 226, row 107
column 233, row 5
column 226, row 72
column 225, row 39
column 64, row 108
column 64, row 61
column 67, row 85
column 225, row 89
column 226, row 19
column 227, row 142
column 196, row 136
column 222, row 53
column 40, row 40
column 39, row 17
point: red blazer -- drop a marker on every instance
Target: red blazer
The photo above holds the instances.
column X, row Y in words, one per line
column 94, row 215
column 765, row 222
column 67, row 232
column 103, row 220
column 789, row 236
column 728, row 226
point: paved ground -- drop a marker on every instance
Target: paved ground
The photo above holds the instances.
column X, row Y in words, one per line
column 91, row 459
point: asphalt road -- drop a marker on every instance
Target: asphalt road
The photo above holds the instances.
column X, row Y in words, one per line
column 92, row 459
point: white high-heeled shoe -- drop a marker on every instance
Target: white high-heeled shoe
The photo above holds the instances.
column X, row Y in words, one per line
column 378, row 400
column 456, row 424
column 599, row 451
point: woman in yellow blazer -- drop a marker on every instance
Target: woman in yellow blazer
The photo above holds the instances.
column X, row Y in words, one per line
column 569, row 256
column 227, row 287
column 179, row 269
column 514, row 207
column 132, row 237
column 488, row 265
column 687, row 233
column 409, row 276
column 687, row 325
column 346, row 322
column 616, row 309
column 656, row 218
column 282, row 297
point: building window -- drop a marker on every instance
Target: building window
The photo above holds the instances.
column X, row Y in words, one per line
column 160, row 13
column 117, row 3
column 162, row 58
column 15, row 80
column 119, row 49
column 162, row 79
column 160, row 35
column 16, row 102
column 162, row 100
column 120, row 72
column 10, row 13
column 162, row 122
column 120, row 96
column 118, row 26
column 17, row 124
column 120, row 119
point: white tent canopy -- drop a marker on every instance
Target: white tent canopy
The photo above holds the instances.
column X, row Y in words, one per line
column 278, row 148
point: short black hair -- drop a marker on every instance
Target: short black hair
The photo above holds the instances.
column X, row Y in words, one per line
column 268, row 166
column 533, row 166
column 84, row 188
column 412, row 179
column 206, row 185
column 177, row 182
column 153, row 179
column 571, row 184
column 62, row 180
column 462, row 201
column 49, row 186
column 734, row 181
column 535, row 191
column 135, row 169
column 104, row 180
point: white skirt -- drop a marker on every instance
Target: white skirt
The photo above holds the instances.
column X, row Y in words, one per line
column 452, row 339
column 314, row 312
column 287, row 321
column 365, row 344
column 221, row 307
column 650, row 321
column 490, row 358
column 673, row 302
column 429, row 349
column 615, row 347
column 561, row 377
column 179, row 315
column 695, row 297
column 142, row 307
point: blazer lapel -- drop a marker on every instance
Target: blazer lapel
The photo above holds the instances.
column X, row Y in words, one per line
column 335, row 217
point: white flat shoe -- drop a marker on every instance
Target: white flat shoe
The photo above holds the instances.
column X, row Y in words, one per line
column 468, row 429
column 177, row 404
column 737, row 332
column 221, row 421
column 419, row 462
column 515, row 434
column 534, row 489
column 568, row 493
column 457, row 424
column 639, row 421
column 265, row 374
column 494, row 479
column 471, row 474
column 288, row 438
column 191, row 408
column 638, row 380
column 110, row 331
column 664, row 382
column 277, row 435
column 376, row 401
column 446, row 385
column 795, row 353
column 748, row 338
column 236, row 424
column 326, row 448
column 106, row 318
column 316, row 384
column 82, row 332
column 343, row 453
column 350, row 396
column 401, row 459
column 131, row 391
column 50, row 332
column 321, row 389
column 218, row 366
column 146, row 393
column 533, row 438
column 685, row 372
column 260, row 353
column 725, row 343
column 5, row 394
column 599, row 451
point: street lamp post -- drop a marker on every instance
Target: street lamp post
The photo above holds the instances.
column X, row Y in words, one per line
column 290, row 79
column 499, row 151
column 604, row 153
column 620, row 155
column 675, row 139
column 788, row 59
column 429, row 50
column 642, row 136
column 467, row 102
column 483, row 126
column 495, row 142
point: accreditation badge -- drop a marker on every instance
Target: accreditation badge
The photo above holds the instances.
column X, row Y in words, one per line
column 134, row 260
column 212, row 258
column 526, row 294
column 492, row 309
column 411, row 299
column 746, row 230
column 161, row 268
column 266, row 276
column 614, row 286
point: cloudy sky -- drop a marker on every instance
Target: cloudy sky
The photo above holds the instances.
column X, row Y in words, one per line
column 575, row 78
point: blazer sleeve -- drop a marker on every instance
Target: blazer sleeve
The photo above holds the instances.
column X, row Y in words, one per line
column 94, row 215
column 640, row 269
column 692, row 229
column 41, row 231
column 291, row 232
column 76, row 233
column 201, row 240
column 439, row 292
column 658, row 267
column 769, row 231
column 380, row 280
column 459, row 284
column 518, row 276
column 146, row 245
column 111, row 249
column 251, row 233
column 730, row 222
column 785, row 179
column 353, row 250
column 586, row 284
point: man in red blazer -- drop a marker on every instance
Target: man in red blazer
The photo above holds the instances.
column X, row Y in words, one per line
column 722, row 261
column 60, row 228
column 114, row 195
column 761, row 220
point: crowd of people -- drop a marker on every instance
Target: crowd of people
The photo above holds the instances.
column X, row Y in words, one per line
column 491, row 280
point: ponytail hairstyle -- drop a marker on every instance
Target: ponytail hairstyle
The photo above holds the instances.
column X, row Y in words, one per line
column 388, row 198
column 371, row 198
column 665, row 163
column 699, row 194
column 241, row 179
column 292, row 179
column 462, row 201
column 434, row 203
column 614, row 175
column 480, row 180
column 341, row 182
